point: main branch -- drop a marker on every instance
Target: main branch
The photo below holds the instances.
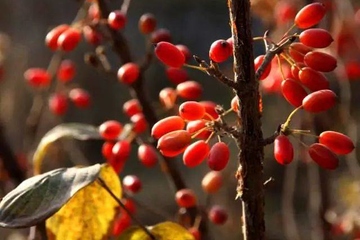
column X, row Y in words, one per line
column 250, row 173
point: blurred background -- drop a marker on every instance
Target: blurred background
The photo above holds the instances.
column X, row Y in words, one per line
column 303, row 201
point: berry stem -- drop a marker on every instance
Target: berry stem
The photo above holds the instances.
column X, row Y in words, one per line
column 285, row 126
column 289, row 30
column 195, row 67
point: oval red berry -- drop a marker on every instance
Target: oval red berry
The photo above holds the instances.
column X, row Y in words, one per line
column 283, row 150
column 319, row 101
column 337, row 142
column 169, row 54
column 323, row 156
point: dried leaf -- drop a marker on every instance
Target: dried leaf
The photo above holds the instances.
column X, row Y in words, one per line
column 161, row 231
column 39, row 197
column 89, row 214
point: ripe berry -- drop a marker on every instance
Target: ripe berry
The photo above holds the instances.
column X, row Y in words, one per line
column 167, row 97
column 121, row 151
column 352, row 69
column 147, row 23
column 69, row 39
column 185, row 50
column 58, row 104
column 91, row 35
column 176, row 75
column 212, row 182
column 129, row 205
column 110, row 130
column 160, row 35
column 51, row 39
column 283, row 150
column 167, row 125
column 217, row 215
column 147, row 155
column 189, row 90
column 257, row 63
column 293, row 92
column 117, row 20
column 174, row 143
column 37, row 77
column 195, row 232
column 128, row 73
column 297, row 51
column 323, row 156
column 66, row 71
column 320, row 61
column 198, row 127
column 169, row 54
column 195, row 153
column 337, row 142
column 312, row 79
column 185, row 198
column 284, row 12
column 316, row 38
column 106, row 150
column 218, row 156
column 121, row 224
column 319, row 101
column 191, row 110
column 139, row 121
column 310, row 15
column 79, row 97
column 132, row 107
column 220, row 51
column 210, row 109
column 132, row 183
column 295, row 69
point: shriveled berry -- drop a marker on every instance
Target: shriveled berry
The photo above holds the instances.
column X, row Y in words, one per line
column 235, row 104
column 191, row 110
column 80, row 97
column 337, row 142
column 323, row 156
column 117, row 20
column 169, row 54
column 220, row 51
column 37, row 77
column 174, row 143
column 69, row 39
column 316, row 38
column 196, row 153
column 110, row 130
column 132, row 183
column 185, row 198
column 167, row 125
column 147, row 23
column 212, row 182
column 147, row 155
column 310, row 15
column 283, row 150
column 189, row 90
column 217, row 215
column 293, row 92
column 319, row 101
column 128, row 73
column 66, row 71
column 219, row 156
column 58, row 104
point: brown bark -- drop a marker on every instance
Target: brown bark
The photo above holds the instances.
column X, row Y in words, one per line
column 250, row 173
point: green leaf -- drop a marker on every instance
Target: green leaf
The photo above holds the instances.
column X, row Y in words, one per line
column 161, row 231
column 70, row 130
column 39, row 197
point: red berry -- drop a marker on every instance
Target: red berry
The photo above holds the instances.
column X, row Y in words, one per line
column 352, row 69
column 132, row 107
column 174, row 143
column 94, row 12
column 147, row 23
column 185, row 198
column 66, row 71
column 69, row 39
column 167, row 97
column 284, row 12
column 217, row 215
column 323, row 156
column 220, row 51
column 37, row 77
column 117, row 20
column 129, row 205
column 79, row 97
column 176, row 75
column 337, row 142
column 295, row 69
column 310, row 15
column 91, row 35
column 212, row 182
column 110, row 130
column 139, row 121
column 197, row 126
column 167, row 125
column 283, row 150
column 121, row 224
column 297, row 51
column 147, row 155
column 51, row 39
column 257, row 63
column 319, row 101
column 293, row 92
column 128, row 73
column 121, row 151
column 210, row 109
column 185, row 50
column 195, row 232
column 116, row 164
column 189, row 90
column 312, row 79
column 316, row 38
column 106, row 150
column 160, row 35
column 132, row 183
column 219, row 156
column 169, row 54
column 191, row 110
column 58, row 104
column 195, row 153
column 320, row 61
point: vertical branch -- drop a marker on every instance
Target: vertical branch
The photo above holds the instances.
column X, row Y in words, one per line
column 250, row 172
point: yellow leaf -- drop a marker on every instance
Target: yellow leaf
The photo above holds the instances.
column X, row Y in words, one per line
column 89, row 214
column 161, row 231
